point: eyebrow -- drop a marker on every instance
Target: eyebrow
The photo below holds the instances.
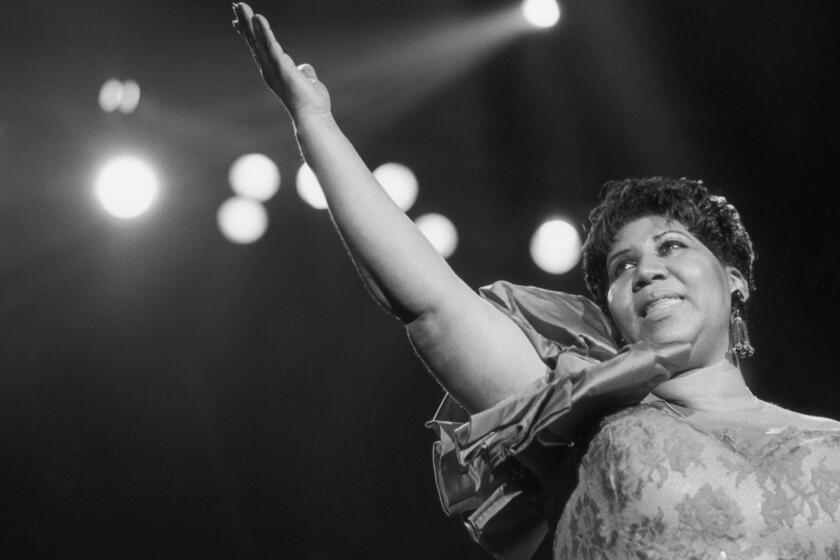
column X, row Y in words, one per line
column 659, row 236
column 656, row 237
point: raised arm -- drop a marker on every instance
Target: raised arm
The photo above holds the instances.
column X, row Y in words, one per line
column 477, row 353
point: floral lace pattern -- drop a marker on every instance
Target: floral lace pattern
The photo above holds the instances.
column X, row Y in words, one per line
column 655, row 486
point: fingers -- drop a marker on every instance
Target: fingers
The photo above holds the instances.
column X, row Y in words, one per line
column 271, row 53
column 263, row 43
column 296, row 86
column 265, row 30
column 258, row 33
column 244, row 23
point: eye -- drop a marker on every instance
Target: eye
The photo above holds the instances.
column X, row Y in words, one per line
column 669, row 246
column 620, row 267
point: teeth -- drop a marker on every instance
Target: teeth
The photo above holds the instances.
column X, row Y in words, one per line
column 661, row 302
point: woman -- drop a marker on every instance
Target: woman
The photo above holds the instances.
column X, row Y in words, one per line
column 701, row 468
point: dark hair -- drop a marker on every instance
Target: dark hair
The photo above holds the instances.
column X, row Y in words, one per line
column 710, row 218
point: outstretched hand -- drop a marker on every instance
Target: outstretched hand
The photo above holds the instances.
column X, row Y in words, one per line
column 297, row 87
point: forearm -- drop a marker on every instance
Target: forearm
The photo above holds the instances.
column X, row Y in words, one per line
column 401, row 268
column 477, row 353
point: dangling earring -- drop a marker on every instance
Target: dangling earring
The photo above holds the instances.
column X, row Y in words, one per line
column 739, row 338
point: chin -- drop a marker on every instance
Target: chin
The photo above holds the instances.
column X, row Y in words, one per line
column 665, row 334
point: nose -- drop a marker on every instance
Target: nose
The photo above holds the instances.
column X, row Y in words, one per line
column 648, row 269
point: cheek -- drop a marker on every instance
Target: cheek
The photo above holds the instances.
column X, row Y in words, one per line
column 620, row 304
column 711, row 284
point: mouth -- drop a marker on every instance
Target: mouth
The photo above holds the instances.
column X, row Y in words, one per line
column 659, row 305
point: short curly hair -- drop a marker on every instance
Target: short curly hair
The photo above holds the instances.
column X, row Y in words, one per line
column 708, row 217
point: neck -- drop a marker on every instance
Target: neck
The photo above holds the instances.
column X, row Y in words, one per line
column 718, row 387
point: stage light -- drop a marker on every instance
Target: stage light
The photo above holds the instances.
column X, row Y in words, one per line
column 541, row 13
column 399, row 182
column 126, row 186
column 254, row 176
column 115, row 94
column 110, row 95
column 440, row 232
column 555, row 246
column 309, row 189
column 130, row 96
column 242, row 220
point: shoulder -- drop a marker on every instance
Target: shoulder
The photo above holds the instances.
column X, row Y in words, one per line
column 790, row 418
column 644, row 416
column 638, row 429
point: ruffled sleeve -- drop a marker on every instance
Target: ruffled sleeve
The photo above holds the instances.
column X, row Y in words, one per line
column 555, row 322
column 507, row 470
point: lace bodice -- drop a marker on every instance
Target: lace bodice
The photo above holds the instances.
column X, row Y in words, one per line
column 654, row 485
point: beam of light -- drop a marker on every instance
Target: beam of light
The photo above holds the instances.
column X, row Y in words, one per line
column 420, row 61
column 555, row 246
column 399, row 182
column 126, row 186
column 242, row 220
column 254, row 176
column 440, row 232
column 541, row 13
column 309, row 189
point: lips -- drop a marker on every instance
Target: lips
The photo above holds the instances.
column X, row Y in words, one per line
column 658, row 303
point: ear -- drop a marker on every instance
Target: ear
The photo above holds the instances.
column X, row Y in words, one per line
column 738, row 282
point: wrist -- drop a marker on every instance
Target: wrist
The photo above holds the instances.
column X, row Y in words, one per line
column 313, row 119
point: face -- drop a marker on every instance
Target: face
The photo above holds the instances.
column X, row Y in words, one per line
column 667, row 286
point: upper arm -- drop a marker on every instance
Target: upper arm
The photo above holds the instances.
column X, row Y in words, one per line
column 475, row 351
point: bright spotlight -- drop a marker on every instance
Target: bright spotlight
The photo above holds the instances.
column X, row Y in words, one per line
column 126, row 186
column 130, row 96
column 555, row 246
column 242, row 220
column 254, row 176
column 440, row 232
column 110, row 96
column 541, row 13
column 399, row 182
column 309, row 189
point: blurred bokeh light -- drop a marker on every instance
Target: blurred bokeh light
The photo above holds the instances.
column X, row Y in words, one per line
column 440, row 232
column 130, row 96
column 110, row 95
column 309, row 189
column 242, row 220
column 117, row 95
column 126, row 186
column 555, row 246
column 399, row 182
column 541, row 13
column 254, row 176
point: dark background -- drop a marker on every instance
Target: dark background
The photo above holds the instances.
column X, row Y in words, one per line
column 165, row 393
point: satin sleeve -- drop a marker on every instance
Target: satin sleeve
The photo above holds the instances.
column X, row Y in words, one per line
column 555, row 322
column 508, row 470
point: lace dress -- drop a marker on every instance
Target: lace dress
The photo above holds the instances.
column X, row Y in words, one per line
column 643, row 482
